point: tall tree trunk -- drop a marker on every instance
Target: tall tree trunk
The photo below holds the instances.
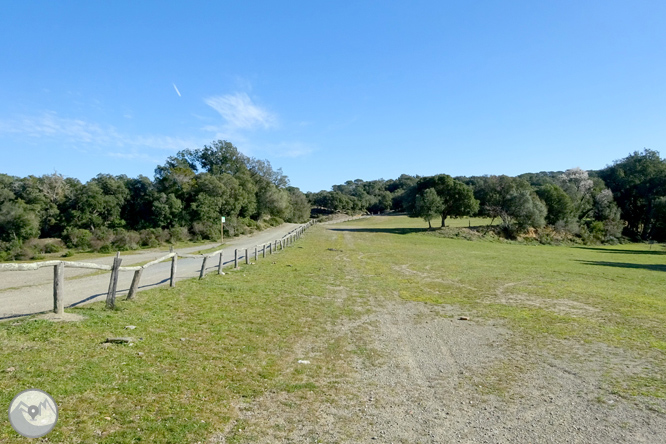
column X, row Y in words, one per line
column 429, row 226
column 443, row 219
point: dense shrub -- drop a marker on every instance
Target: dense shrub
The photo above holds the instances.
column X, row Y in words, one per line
column 274, row 221
column 178, row 234
column 125, row 240
column 147, row 238
column 101, row 240
column 205, row 230
column 53, row 246
column 78, row 238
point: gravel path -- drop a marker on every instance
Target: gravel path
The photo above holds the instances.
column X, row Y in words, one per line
column 429, row 377
column 29, row 292
column 429, row 386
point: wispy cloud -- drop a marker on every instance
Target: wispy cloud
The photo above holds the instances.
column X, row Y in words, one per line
column 80, row 132
column 240, row 113
column 176, row 88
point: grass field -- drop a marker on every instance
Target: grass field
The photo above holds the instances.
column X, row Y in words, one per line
column 207, row 346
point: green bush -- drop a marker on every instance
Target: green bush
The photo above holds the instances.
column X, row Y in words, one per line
column 274, row 221
column 101, row 240
column 205, row 230
column 53, row 247
column 125, row 240
column 78, row 238
column 147, row 238
column 178, row 234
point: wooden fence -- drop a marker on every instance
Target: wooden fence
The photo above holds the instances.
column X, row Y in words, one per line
column 116, row 268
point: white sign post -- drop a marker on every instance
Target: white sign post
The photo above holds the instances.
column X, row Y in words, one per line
column 222, row 227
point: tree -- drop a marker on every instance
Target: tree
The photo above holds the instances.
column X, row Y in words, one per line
column 524, row 209
column 578, row 185
column 637, row 182
column 607, row 212
column 457, row 198
column 428, row 205
column 299, row 208
column 98, row 203
column 18, row 221
column 493, row 193
column 558, row 203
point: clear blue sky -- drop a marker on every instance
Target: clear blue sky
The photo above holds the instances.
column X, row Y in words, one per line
column 331, row 91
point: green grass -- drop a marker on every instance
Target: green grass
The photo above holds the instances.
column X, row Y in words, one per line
column 239, row 334
column 242, row 331
column 550, row 295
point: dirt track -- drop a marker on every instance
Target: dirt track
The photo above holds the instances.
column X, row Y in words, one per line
column 429, row 377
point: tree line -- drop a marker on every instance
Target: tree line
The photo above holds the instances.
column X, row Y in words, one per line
column 185, row 200
column 627, row 198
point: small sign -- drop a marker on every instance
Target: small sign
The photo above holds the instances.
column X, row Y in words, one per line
column 224, row 219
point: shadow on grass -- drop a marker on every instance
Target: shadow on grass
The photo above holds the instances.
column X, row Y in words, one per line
column 383, row 230
column 653, row 267
column 618, row 251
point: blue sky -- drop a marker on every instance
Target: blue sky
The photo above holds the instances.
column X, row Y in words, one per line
column 331, row 91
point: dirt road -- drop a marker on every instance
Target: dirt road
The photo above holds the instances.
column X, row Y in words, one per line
column 420, row 374
column 29, row 292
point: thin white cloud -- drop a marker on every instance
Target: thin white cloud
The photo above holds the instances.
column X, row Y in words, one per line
column 80, row 132
column 240, row 112
column 176, row 88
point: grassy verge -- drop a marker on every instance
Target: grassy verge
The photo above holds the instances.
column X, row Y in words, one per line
column 200, row 349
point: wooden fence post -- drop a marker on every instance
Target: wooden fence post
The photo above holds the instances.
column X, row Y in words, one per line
column 236, row 258
column 247, row 258
column 270, row 248
column 255, row 253
column 220, row 265
column 174, row 264
column 113, row 283
column 202, row 273
column 135, row 284
column 58, row 289
column 263, row 251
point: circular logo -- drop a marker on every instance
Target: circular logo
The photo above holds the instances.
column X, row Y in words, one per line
column 33, row 413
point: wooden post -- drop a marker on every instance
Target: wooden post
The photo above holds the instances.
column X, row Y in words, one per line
column 202, row 273
column 236, row 258
column 174, row 265
column 270, row 248
column 113, row 283
column 220, row 265
column 135, row 284
column 255, row 253
column 247, row 258
column 58, row 289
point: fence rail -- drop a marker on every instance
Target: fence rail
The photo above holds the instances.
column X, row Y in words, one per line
column 116, row 268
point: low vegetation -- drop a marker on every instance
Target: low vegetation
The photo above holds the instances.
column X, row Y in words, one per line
column 207, row 346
